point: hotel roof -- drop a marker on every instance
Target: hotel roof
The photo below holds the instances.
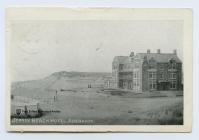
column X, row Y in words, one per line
column 160, row 57
column 121, row 59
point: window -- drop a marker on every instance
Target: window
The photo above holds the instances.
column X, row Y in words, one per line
column 114, row 65
column 129, row 84
column 162, row 75
column 152, row 85
column 173, row 65
column 151, row 66
column 136, row 80
column 134, row 75
column 152, row 80
column 121, row 83
column 150, row 75
column 173, row 84
column 124, row 84
column 172, row 75
column 161, row 66
column 121, row 66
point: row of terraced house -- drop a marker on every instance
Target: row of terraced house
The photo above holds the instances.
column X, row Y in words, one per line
column 147, row 71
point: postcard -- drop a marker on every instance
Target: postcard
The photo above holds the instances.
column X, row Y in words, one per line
column 98, row 69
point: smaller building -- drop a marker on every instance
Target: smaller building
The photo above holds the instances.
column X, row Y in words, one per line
column 109, row 82
column 24, row 107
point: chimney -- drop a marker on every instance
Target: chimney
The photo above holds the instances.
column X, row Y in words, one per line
column 175, row 52
column 158, row 51
column 132, row 54
column 148, row 51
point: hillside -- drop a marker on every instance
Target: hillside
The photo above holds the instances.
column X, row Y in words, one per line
column 58, row 81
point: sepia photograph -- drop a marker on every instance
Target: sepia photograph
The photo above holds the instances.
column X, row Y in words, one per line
column 99, row 69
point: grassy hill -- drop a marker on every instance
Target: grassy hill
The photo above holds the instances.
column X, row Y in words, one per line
column 58, row 81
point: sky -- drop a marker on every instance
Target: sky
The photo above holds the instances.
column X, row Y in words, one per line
column 40, row 48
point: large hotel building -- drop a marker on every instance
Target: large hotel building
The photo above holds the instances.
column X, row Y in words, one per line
column 147, row 71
